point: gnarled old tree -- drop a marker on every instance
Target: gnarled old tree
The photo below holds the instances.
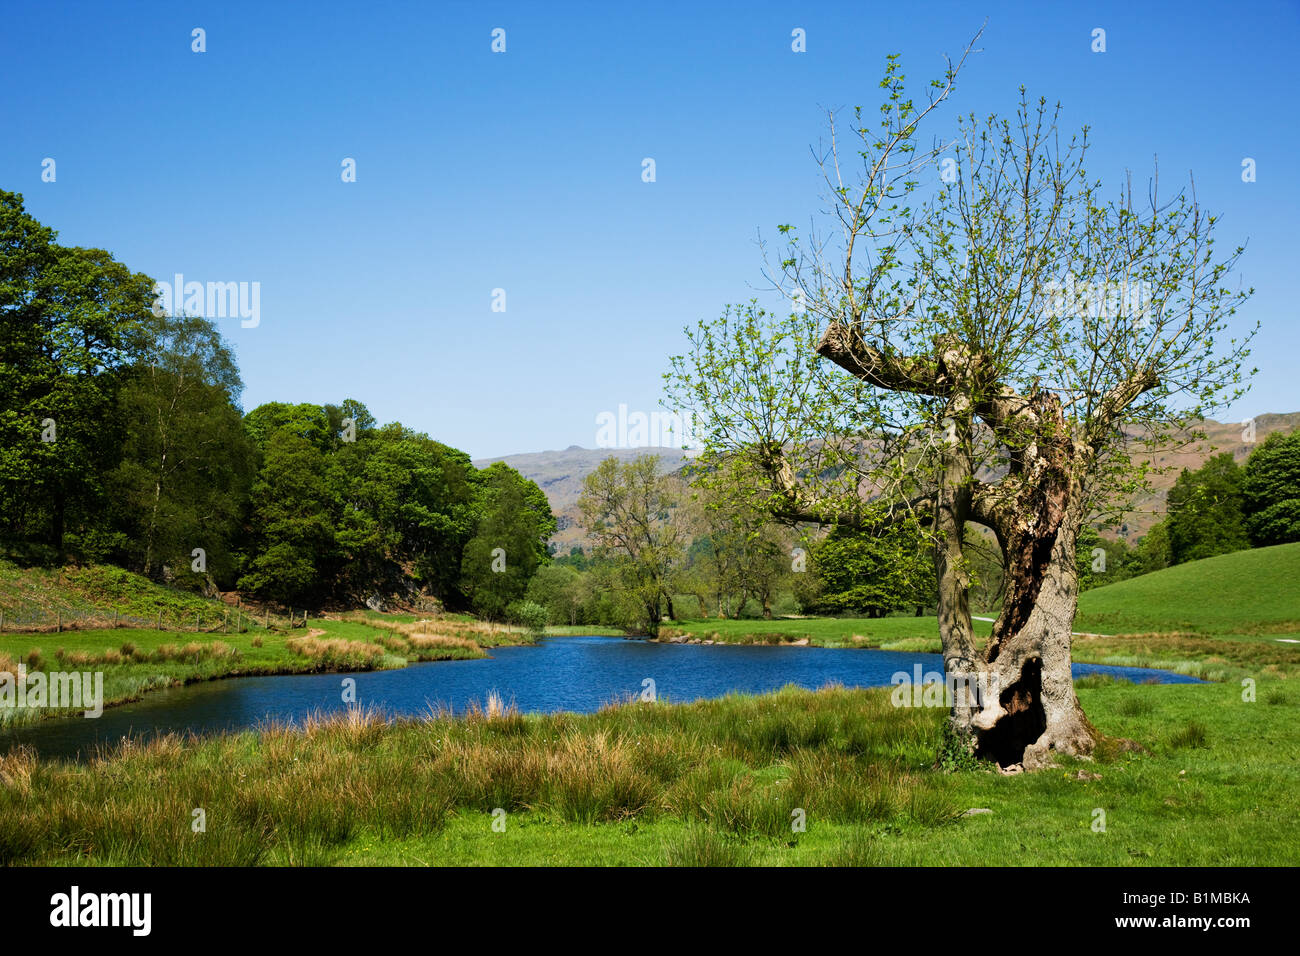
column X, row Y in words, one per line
column 978, row 338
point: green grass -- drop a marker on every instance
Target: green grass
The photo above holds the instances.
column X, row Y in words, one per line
column 1217, row 619
column 95, row 594
column 1245, row 593
column 716, row 783
column 585, row 630
column 709, row 783
column 890, row 633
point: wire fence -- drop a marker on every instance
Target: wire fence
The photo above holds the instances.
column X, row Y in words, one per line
column 231, row 620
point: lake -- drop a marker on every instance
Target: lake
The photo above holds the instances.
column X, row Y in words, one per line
column 560, row 673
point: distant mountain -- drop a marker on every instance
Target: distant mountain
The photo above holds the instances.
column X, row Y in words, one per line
column 560, row 473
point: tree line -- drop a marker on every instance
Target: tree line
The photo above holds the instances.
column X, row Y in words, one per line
column 672, row 546
column 1218, row 508
column 122, row 440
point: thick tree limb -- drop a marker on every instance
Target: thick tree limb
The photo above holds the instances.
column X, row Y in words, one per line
column 843, row 344
column 792, row 502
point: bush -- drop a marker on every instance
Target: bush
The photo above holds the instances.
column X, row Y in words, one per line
column 528, row 614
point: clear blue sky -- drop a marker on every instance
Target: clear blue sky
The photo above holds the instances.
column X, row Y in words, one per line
column 522, row 170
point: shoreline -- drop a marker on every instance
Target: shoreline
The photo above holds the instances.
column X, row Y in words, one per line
column 195, row 679
column 291, row 666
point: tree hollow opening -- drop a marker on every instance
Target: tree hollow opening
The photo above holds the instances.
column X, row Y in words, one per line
column 1024, row 720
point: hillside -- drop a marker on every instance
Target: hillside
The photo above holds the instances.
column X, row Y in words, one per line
column 560, row 473
column 97, row 595
column 1220, row 437
column 1246, row 593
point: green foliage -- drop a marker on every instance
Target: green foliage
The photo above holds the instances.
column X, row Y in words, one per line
column 344, row 509
column 67, row 317
column 413, row 507
column 1205, row 511
column 294, row 514
column 1101, row 561
column 557, row 587
column 187, row 465
column 1152, row 551
column 874, row 572
column 1270, row 491
column 740, row 559
column 955, row 752
column 509, row 543
column 629, row 509
column 528, row 614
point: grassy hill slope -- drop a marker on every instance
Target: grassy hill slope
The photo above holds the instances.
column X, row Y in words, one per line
column 1253, row 592
column 94, row 595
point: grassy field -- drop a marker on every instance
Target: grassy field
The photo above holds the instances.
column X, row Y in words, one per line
column 889, row 633
column 721, row 782
column 96, row 596
column 1220, row 619
column 1247, row 593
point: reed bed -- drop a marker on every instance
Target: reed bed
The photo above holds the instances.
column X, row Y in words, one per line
column 298, row 794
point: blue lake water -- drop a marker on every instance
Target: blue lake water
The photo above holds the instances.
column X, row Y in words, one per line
column 562, row 673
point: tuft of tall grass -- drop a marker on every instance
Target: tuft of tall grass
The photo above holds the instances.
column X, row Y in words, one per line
column 337, row 652
column 1195, row 735
column 843, row 788
column 593, row 778
column 1134, row 707
column 748, row 809
column 699, row 846
column 859, row 848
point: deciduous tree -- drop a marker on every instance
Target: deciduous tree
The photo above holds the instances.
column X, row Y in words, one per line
column 974, row 342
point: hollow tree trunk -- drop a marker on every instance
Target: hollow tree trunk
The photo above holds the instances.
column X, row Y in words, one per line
column 1014, row 701
column 1030, row 710
column 1036, row 509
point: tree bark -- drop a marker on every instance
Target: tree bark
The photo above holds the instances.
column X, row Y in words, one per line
column 1030, row 710
column 1020, row 707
